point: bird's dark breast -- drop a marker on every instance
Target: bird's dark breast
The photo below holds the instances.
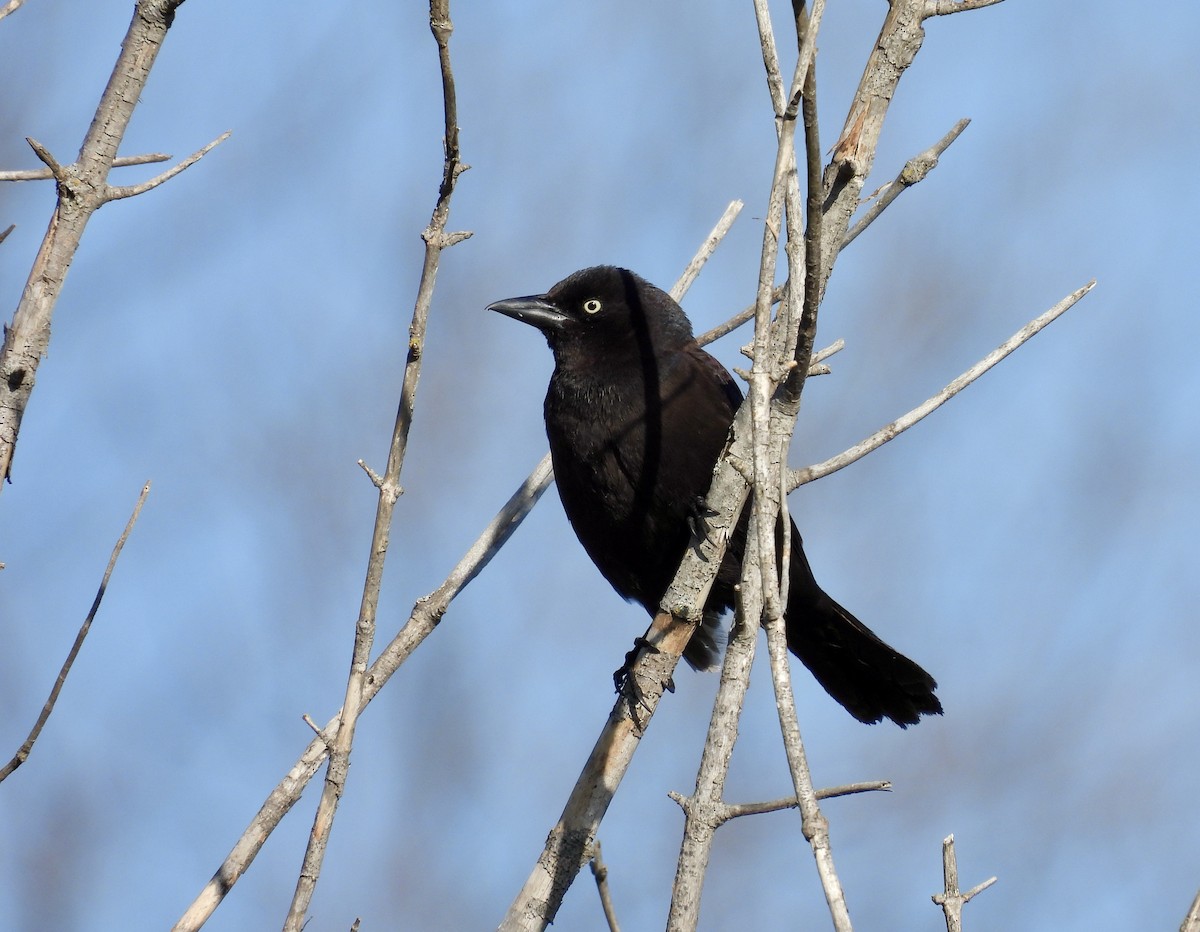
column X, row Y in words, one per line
column 630, row 467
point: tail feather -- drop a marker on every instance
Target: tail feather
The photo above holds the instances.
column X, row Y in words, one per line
column 868, row 678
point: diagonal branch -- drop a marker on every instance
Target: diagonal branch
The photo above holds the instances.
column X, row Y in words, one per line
column 914, row 171
column 23, row 751
column 112, row 193
column 895, row 428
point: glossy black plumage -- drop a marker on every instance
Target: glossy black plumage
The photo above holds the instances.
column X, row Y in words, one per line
column 637, row 414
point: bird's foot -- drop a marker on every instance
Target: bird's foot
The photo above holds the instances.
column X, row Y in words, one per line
column 626, row 683
column 698, row 520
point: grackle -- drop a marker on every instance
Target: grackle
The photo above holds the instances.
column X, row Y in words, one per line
column 637, row 415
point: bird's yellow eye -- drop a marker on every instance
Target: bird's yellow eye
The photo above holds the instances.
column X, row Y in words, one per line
column 592, row 305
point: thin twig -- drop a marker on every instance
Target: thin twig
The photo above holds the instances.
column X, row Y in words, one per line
column 4, row 235
column 116, row 193
column 895, row 428
column 435, row 239
column 121, row 161
column 23, row 752
column 952, row 900
column 600, row 872
column 720, row 812
column 706, row 250
column 914, row 171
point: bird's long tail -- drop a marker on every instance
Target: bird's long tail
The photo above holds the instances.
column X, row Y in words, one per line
column 868, row 678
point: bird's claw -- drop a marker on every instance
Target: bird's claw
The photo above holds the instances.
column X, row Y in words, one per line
column 698, row 522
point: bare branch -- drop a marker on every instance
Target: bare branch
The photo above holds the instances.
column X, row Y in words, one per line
column 80, row 186
column 435, row 239
column 56, row 171
column 600, row 872
column 426, row 613
column 112, row 193
column 707, row 248
column 1191, row 922
column 914, row 171
column 4, row 235
column 951, row 900
column 121, row 161
column 723, row 812
column 945, row 7
column 895, row 428
column 11, row 7
column 23, row 752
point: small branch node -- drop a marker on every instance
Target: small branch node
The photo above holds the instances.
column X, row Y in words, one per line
column 376, row 479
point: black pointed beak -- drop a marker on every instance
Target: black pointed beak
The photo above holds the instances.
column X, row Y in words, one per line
column 536, row 309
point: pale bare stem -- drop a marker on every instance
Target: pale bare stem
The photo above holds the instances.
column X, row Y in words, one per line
column 11, row 7
column 376, row 479
column 80, row 187
column 600, row 872
column 944, row 7
column 895, row 428
column 112, row 193
column 56, row 171
column 766, row 38
column 704, row 810
column 389, row 491
column 737, row 810
column 425, row 615
column 738, row 319
column 1191, row 922
column 23, row 751
column 914, row 171
column 707, row 248
column 121, row 161
column 951, row 899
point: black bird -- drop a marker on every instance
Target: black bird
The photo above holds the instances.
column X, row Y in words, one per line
column 637, row 415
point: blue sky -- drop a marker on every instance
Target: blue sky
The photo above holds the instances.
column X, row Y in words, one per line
column 237, row 337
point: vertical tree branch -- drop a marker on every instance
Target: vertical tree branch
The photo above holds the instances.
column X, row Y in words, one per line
column 952, row 900
column 435, row 239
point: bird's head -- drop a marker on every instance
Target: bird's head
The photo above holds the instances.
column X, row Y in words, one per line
column 603, row 310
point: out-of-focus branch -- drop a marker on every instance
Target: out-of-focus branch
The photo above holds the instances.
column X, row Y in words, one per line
column 23, row 752
column 952, row 900
column 436, row 239
column 82, row 190
column 11, row 7
column 1191, row 922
